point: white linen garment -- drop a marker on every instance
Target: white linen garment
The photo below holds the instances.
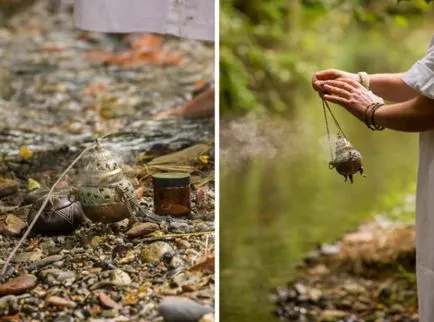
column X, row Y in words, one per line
column 421, row 78
column 184, row 18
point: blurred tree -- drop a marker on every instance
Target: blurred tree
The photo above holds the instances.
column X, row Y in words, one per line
column 267, row 48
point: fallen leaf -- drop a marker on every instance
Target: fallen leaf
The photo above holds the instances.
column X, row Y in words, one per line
column 206, row 266
column 130, row 299
column 32, row 184
column 25, row 152
column 95, row 310
column 11, row 318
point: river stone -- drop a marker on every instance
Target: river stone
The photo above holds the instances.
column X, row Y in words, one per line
column 7, row 187
column 60, row 301
column 152, row 253
column 182, row 309
column 18, row 285
column 142, row 229
column 12, row 225
column 120, row 278
column 8, row 304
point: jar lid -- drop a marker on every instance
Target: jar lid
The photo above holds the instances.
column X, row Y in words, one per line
column 171, row 179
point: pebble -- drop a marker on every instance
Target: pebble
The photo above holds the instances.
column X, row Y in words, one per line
column 18, row 285
column 142, row 229
column 120, row 278
column 7, row 187
column 12, row 225
column 154, row 252
column 60, row 301
column 182, row 309
column 8, row 304
column 46, row 261
column 55, row 276
column 330, row 250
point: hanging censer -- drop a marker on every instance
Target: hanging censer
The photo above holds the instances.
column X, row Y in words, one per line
column 347, row 161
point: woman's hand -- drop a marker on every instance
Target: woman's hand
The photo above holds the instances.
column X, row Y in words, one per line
column 330, row 74
column 351, row 95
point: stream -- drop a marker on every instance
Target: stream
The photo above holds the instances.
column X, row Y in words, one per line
column 279, row 200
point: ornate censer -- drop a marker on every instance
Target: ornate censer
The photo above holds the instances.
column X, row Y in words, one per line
column 347, row 160
column 106, row 194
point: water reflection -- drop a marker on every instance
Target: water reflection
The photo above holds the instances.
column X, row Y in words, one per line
column 277, row 206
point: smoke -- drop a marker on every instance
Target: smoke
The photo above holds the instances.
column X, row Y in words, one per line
column 267, row 139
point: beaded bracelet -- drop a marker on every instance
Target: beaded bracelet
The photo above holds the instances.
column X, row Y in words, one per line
column 364, row 79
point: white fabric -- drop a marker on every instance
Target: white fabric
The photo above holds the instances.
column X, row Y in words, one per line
column 421, row 78
column 183, row 18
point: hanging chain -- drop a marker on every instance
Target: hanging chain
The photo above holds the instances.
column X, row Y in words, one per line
column 325, row 106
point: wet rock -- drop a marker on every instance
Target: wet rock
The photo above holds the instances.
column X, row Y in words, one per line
column 12, row 225
column 56, row 276
column 182, row 309
column 8, row 304
column 46, row 261
column 330, row 250
column 61, row 302
column 142, row 229
column 176, row 262
column 154, row 252
column 120, row 278
column 7, row 187
column 18, row 285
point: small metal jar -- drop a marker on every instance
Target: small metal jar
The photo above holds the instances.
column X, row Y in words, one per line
column 171, row 194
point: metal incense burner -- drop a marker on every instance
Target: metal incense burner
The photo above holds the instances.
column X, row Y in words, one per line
column 347, row 161
column 106, row 194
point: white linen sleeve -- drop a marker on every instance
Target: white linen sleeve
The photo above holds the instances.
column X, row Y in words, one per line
column 420, row 76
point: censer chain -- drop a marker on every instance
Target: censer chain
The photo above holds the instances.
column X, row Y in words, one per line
column 325, row 106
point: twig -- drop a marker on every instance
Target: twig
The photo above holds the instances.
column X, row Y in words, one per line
column 11, row 255
column 170, row 236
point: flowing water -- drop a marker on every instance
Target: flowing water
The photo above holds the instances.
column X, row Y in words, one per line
column 279, row 200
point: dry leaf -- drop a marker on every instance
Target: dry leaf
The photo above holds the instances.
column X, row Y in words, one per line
column 25, row 152
column 32, row 184
column 206, row 266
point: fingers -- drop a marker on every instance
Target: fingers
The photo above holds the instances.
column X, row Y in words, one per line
column 322, row 76
column 337, row 100
column 339, row 84
column 352, row 83
column 327, row 74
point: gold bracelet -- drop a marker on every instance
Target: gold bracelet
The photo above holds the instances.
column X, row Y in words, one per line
column 364, row 79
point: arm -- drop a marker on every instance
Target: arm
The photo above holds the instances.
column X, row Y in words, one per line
column 414, row 115
column 391, row 87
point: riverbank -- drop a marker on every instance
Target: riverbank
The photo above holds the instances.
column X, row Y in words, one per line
column 367, row 275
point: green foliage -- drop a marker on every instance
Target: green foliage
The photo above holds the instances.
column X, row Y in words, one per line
column 269, row 49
